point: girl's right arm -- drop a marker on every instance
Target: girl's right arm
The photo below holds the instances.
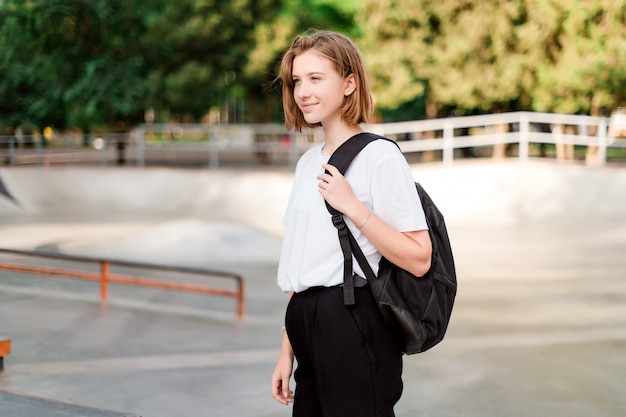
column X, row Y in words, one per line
column 282, row 372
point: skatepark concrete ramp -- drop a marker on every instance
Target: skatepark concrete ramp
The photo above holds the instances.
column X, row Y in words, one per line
column 539, row 248
column 489, row 192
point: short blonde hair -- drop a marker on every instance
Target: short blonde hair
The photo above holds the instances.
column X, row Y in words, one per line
column 345, row 55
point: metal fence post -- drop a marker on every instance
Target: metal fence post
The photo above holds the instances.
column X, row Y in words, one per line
column 294, row 151
column 448, row 142
column 602, row 142
column 141, row 147
column 214, row 149
column 70, row 148
column 11, row 150
column 241, row 298
column 39, row 147
column 523, row 138
column 104, row 288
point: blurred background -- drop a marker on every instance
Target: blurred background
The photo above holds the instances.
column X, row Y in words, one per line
column 144, row 138
column 83, row 75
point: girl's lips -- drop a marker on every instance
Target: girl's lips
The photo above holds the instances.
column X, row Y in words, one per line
column 308, row 106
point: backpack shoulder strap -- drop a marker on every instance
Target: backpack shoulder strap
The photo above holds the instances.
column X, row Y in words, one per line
column 341, row 159
column 347, row 151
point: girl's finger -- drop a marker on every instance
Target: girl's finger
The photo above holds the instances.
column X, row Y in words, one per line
column 331, row 169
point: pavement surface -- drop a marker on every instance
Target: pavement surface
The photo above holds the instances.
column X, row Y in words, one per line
column 539, row 326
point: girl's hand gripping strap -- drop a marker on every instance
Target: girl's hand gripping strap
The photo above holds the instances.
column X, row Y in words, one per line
column 341, row 159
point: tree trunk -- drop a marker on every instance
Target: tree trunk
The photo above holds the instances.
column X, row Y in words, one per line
column 592, row 156
column 431, row 113
column 499, row 149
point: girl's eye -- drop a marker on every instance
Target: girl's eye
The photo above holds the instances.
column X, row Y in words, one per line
column 295, row 82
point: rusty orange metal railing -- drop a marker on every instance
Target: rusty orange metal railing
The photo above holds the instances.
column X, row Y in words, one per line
column 105, row 277
column 5, row 349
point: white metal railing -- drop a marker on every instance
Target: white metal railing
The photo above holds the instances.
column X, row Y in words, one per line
column 522, row 128
column 213, row 144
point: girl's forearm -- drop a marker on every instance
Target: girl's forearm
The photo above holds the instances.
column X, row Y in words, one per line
column 410, row 250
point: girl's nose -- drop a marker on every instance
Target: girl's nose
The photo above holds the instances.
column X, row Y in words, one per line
column 302, row 90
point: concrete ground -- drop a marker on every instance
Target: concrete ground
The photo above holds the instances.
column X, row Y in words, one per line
column 539, row 326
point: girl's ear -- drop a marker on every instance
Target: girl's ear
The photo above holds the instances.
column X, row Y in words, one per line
column 349, row 85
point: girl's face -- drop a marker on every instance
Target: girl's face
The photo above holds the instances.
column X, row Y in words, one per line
column 318, row 89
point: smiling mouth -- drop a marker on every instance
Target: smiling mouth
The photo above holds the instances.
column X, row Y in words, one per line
column 308, row 106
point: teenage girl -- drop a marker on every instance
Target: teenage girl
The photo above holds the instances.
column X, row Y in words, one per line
column 348, row 363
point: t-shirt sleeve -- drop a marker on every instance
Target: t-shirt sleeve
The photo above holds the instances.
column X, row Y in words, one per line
column 394, row 196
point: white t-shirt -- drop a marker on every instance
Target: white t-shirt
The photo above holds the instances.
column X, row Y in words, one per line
column 311, row 254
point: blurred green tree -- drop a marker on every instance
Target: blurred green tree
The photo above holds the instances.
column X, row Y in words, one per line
column 494, row 55
column 76, row 63
column 585, row 46
column 101, row 63
column 28, row 77
column 93, row 63
column 198, row 50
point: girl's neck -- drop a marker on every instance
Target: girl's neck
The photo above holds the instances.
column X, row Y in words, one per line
column 336, row 135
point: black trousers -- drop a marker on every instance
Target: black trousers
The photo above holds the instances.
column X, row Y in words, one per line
column 348, row 363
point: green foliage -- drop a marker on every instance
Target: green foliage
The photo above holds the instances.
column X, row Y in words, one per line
column 25, row 73
column 199, row 50
column 466, row 54
column 494, row 55
column 585, row 72
column 89, row 63
column 73, row 63
column 84, row 63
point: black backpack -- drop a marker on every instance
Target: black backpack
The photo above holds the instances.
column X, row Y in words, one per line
column 418, row 309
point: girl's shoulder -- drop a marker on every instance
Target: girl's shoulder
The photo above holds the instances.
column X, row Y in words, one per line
column 386, row 145
column 380, row 151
